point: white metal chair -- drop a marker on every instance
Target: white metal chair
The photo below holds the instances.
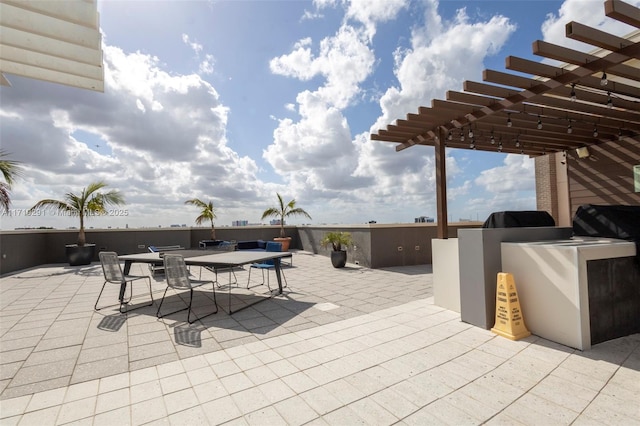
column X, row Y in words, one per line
column 113, row 274
column 177, row 276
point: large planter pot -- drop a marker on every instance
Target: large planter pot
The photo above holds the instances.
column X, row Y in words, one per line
column 339, row 258
column 285, row 241
column 80, row 255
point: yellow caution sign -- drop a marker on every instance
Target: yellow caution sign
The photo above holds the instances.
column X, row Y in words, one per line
column 509, row 320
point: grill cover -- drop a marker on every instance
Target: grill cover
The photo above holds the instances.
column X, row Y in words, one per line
column 519, row 219
column 622, row 222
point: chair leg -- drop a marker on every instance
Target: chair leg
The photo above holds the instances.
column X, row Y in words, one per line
column 215, row 302
column 122, row 302
column 170, row 313
column 284, row 278
column 281, row 275
column 268, row 286
column 99, row 295
column 249, row 280
column 131, row 297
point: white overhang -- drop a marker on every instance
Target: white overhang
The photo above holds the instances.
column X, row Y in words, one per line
column 55, row 41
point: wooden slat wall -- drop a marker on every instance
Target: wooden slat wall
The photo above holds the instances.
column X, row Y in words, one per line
column 606, row 176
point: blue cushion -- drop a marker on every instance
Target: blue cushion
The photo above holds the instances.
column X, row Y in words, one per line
column 273, row 246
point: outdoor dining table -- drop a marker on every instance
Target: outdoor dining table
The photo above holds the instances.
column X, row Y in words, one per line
column 218, row 260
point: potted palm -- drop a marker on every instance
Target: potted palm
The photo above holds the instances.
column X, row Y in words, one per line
column 337, row 240
column 207, row 213
column 282, row 211
column 10, row 170
column 90, row 202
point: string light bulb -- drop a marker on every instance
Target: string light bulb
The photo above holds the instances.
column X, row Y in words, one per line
column 609, row 101
column 470, row 132
column 573, row 92
column 604, row 81
column 517, row 142
column 539, row 123
column 472, row 145
column 595, row 131
column 462, row 135
column 500, row 147
column 569, row 128
column 450, row 137
column 493, row 139
column 509, row 123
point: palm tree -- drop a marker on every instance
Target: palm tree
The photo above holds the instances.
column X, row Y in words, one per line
column 10, row 171
column 207, row 213
column 282, row 211
column 90, row 202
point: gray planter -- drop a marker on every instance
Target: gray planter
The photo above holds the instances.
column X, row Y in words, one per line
column 339, row 258
column 77, row 255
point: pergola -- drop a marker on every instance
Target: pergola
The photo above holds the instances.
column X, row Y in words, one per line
column 594, row 98
column 56, row 41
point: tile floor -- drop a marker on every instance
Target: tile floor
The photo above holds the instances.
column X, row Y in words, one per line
column 339, row 347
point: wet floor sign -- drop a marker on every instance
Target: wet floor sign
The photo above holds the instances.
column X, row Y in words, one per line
column 509, row 320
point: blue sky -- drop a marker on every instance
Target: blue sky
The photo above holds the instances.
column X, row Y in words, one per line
column 233, row 101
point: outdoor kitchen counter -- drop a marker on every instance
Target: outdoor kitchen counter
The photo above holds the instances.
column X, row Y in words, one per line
column 576, row 292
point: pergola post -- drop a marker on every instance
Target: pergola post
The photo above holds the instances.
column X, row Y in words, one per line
column 441, row 185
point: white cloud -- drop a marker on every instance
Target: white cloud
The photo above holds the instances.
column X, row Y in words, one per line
column 587, row 12
column 195, row 46
column 442, row 61
column 318, row 153
column 298, row 64
column 517, row 174
column 206, row 66
column 316, row 150
column 372, row 12
column 345, row 60
column 441, row 57
column 164, row 139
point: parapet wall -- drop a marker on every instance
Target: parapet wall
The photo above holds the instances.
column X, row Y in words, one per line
column 375, row 245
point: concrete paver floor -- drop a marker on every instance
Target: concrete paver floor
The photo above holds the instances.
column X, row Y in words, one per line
column 340, row 346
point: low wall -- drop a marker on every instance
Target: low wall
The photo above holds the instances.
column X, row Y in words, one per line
column 375, row 245
column 382, row 245
column 23, row 249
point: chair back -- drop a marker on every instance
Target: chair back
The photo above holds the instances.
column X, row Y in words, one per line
column 111, row 266
column 272, row 246
column 176, row 272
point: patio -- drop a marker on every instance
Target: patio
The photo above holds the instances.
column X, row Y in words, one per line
column 349, row 346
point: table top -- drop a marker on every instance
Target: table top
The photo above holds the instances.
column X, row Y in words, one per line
column 150, row 257
column 207, row 258
column 235, row 258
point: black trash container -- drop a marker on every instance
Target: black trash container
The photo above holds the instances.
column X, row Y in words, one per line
column 519, row 219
